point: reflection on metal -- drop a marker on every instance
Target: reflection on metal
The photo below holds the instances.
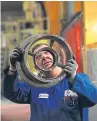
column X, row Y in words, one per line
column 62, row 49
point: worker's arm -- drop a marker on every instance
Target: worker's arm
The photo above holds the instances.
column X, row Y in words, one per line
column 84, row 86
column 80, row 83
column 15, row 90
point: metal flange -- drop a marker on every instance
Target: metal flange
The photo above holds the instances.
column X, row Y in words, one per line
column 29, row 76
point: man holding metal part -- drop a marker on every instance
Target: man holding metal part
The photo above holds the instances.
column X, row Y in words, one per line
column 63, row 101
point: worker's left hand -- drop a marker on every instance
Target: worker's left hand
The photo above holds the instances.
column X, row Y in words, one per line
column 71, row 69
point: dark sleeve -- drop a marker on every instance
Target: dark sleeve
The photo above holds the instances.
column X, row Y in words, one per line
column 16, row 91
column 85, row 102
column 87, row 91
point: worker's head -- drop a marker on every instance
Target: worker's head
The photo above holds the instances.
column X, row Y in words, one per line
column 43, row 59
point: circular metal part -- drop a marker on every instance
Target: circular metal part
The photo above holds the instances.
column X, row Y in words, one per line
column 39, row 79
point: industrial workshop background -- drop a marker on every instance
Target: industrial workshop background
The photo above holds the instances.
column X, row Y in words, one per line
column 76, row 21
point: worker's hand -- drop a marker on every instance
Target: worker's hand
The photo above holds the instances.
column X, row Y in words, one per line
column 70, row 70
column 15, row 55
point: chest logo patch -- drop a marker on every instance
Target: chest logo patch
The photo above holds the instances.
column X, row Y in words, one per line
column 68, row 94
column 43, row 95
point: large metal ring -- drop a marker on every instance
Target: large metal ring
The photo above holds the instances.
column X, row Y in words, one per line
column 23, row 69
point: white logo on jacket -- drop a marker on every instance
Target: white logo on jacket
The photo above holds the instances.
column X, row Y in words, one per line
column 43, row 95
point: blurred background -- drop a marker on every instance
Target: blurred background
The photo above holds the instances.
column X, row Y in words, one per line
column 76, row 21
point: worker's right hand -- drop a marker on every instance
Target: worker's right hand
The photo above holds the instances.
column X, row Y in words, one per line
column 71, row 70
column 16, row 55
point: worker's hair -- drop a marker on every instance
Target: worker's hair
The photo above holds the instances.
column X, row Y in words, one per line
column 38, row 45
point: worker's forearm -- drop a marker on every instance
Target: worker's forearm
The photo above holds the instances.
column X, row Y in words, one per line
column 84, row 86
